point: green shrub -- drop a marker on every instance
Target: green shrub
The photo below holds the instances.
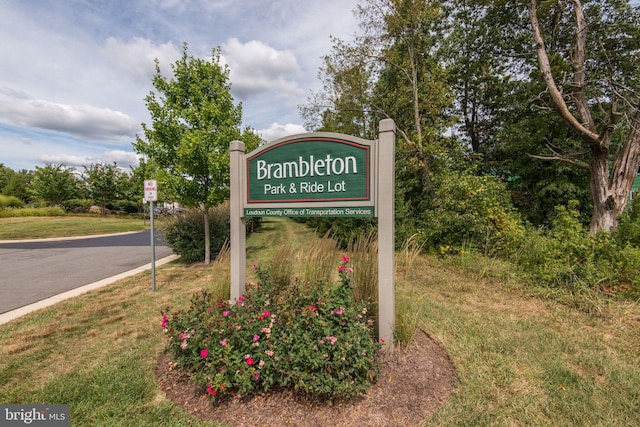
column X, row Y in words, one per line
column 566, row 257
column 471, row 211
column 77, row 204
column 313, row 339
column 628, row 231
column 22, row 212
column 184, row 232
column 127, row 206
column 10, row 202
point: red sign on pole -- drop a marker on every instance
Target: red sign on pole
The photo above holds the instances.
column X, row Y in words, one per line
column 151, row 190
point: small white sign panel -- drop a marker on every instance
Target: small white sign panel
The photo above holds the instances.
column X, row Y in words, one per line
column 151, row 190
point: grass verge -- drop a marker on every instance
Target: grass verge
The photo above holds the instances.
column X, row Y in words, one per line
column 65, row 226
column 521, row 360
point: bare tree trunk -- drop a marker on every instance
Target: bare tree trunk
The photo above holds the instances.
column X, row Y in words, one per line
column 609, row 185
column 207, row 237
column 603, row 215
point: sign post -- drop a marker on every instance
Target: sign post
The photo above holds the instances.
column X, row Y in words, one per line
column 151, row 195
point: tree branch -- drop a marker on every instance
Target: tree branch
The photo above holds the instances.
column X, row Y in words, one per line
column 561, row 158
column 556, row 95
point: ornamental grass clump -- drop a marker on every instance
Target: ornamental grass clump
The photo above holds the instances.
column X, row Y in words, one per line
column 313, row 338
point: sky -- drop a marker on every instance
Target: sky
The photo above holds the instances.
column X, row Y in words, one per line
column 74, row 73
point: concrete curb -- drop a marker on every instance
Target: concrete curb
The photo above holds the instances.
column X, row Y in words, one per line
column 56, row 239
column 18, row 312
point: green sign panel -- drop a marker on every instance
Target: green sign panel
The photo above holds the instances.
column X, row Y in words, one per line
column 360, row 211
column 310, row 169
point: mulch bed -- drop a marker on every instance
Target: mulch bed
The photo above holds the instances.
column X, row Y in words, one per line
column 413, row 383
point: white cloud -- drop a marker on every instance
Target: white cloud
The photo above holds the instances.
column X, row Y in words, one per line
column 84, row 121
column 256, row 68
column 137, row 56
column 74, row 74
column 124, row 159
column 276, row 130
column 67, row 159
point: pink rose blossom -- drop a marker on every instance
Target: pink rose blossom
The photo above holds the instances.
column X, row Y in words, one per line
column 250, row 361
column 345, row 259
column 204, row 352
column 225, row 313
column 212, row 391
column 341, row 268
column 223, row 342
column 165, row 321
column 256, row 337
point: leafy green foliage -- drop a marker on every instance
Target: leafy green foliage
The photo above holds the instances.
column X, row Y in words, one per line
column 24, row 212
column 565, row 257
column 55, row 184
column 104, row 183
column 184, row 232
column 194, row 121
column 81, row 205
column 10, row 202
column 628, row 231
column 473, row 212
column 314, row 339
column 18, row 184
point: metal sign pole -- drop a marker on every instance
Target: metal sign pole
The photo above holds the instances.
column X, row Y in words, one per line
column 153, row 250
column 151, row 194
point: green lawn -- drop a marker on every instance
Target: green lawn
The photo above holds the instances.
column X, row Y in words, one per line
column 521, row 360
column 64, row 226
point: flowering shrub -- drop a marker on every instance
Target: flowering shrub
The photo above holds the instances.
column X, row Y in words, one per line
column 314, row 339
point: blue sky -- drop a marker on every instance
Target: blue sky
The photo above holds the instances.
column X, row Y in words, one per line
column 74, row 73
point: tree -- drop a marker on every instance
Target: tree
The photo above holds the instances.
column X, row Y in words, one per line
column 54, row 183
column 194, row 119
column 392, row 70
column 482, row 52
column 18, row 185
column 5, row 175
column 103, row 183
column 590, row 68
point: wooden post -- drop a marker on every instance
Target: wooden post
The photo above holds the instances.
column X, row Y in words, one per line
column 386, row 231
column 238, row 238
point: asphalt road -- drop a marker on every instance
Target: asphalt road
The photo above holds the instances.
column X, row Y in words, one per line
column 34, row 270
